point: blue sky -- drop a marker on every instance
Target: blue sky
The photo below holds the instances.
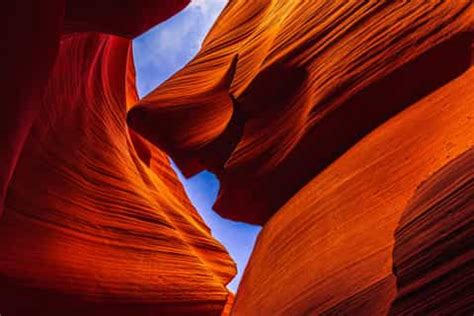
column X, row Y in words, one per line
column 161, row 52
column 167, row 47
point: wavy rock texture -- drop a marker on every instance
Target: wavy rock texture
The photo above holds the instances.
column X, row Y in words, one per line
column 328, row 251
column 33, row 31
column 330, row 112
column 433, row 255
column 89, row 228
column 312, row 78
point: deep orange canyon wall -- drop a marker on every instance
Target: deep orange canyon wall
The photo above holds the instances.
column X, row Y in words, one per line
column 321, row 120
column 311, row 79
column 345, row 127
column 329, row 250
column 95, row 221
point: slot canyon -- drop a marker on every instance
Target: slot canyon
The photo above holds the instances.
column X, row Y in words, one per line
column 345, row 129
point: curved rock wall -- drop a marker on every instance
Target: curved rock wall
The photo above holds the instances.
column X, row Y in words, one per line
column 96, row 221
column 312, row 78
column 433, row 257
column 321, row 120
column 33, row 32
column 329, row 249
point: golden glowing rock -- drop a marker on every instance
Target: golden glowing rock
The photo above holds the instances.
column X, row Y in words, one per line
column 329, row 250
column 312, row 78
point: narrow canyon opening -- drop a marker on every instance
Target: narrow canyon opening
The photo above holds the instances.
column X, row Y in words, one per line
column 344, row 128
column 158, row 54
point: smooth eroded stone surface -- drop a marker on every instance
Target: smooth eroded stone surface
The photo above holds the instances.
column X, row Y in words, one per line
column 29, row 47
column 96, row 222
column 433, row 254
column 128, row 18
column 329, row 249
column 312, row 78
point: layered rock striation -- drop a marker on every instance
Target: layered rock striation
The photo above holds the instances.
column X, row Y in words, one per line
column 335, row 114
column 312, row 78
column 330, row 249
column 95, row 220
column 34, row 29
column 345, row 127
column 433, row 257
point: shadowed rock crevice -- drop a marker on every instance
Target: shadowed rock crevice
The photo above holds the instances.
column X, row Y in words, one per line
column 199, row 131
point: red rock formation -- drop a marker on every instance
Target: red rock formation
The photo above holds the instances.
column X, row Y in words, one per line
column 314, row 83
column 433, row 257
column 321, row 119
column 127, row 18
column 195, row 145
column 312, row 79
column 96, row 221
column 33, row 33
column 329, row 249
column 32, row 36
column 228, row 306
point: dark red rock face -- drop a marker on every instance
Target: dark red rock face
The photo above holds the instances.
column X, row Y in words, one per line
column 97, row 231
column 95, row 221
column 311, row 80
column 432, row 258
column 33, row 30
column 128, row 18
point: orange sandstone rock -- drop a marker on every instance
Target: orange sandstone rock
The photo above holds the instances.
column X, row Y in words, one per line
column 228, row 306
column 184, row 132
column 433, row 257
column 33, row 31
column 287, row 102
column 312, row 78
column 96, row 221
column 329, row 250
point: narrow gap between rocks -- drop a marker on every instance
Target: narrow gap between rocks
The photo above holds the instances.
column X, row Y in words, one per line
column 158, row 54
